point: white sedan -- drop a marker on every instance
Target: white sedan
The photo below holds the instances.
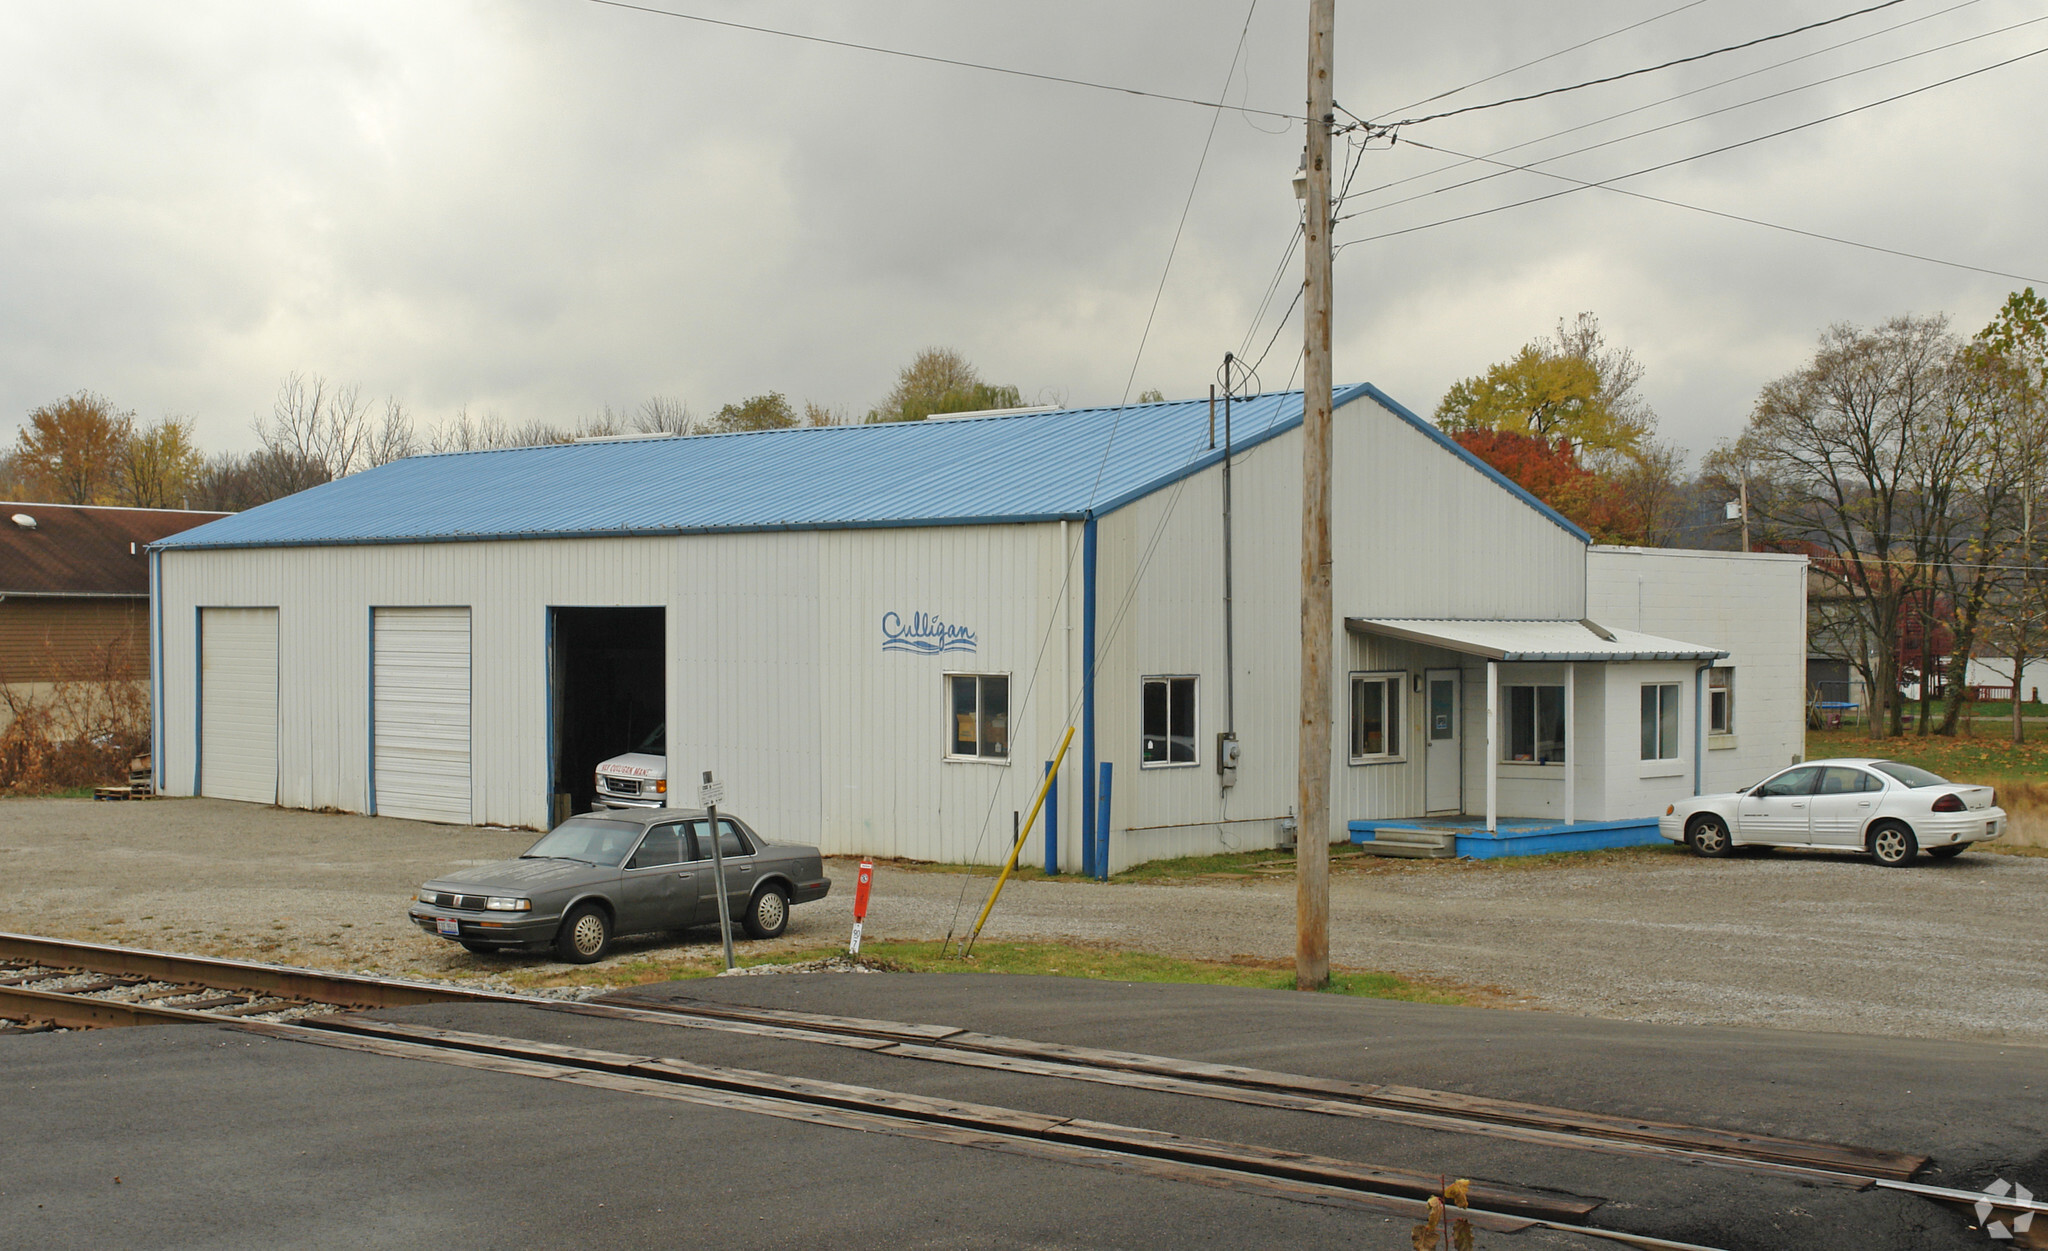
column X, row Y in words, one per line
column 1892, row 811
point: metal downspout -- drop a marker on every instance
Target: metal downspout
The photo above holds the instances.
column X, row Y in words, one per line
column 1090, row 836
column 1699, row 725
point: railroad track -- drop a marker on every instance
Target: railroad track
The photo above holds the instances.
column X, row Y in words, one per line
column 46, row 983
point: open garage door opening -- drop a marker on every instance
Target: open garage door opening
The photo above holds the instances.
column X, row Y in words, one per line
column 608, row 694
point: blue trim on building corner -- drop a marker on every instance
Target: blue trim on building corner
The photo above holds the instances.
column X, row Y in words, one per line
column 1456, row 449
column 198, row 696
column 1088, row 832
column 1239, row 445
column 156, row 673
column 548, row 795
column 370, row 731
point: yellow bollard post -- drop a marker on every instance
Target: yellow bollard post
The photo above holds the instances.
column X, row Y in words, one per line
column 1018, row 846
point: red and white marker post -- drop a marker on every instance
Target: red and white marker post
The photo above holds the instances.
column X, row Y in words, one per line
column 860, row 903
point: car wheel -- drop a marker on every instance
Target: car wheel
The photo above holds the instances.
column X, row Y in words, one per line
column 482, row 949
column 1949, row 852
column 585, row 936
column 1708, row 836
column 768, row 914
column 1893, row 845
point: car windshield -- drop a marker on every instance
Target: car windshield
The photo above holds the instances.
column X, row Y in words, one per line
column 592, row 840
column 1911, row 775
column 655, row 744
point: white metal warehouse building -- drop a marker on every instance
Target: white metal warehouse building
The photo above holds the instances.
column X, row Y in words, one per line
column 877, row 635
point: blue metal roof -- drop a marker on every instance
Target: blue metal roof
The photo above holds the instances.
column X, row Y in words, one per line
column 1027, row 467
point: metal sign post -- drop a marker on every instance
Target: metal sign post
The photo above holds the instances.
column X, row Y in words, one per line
column 708, row 796
column 860, row 903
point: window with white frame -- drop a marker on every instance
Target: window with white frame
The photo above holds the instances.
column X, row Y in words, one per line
column 1721, row 701
column 1532, row 724
column 1376, row 716
column 1660, row 721
column 979, row 716
column 1166, row 722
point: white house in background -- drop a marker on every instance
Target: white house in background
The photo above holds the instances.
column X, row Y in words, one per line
column 1997, row 671
column 878, row 635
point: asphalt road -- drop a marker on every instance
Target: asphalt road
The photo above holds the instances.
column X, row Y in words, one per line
column 223, row 1140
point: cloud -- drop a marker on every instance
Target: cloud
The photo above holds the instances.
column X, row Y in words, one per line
column 537, row 209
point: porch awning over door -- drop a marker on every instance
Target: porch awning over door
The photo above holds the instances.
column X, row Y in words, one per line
column 1533, row 641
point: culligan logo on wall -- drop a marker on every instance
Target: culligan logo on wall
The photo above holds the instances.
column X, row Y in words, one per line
column 924, row 634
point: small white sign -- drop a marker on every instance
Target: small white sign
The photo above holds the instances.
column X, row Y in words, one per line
column 709, row 793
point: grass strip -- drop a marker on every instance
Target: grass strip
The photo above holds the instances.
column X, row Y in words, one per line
column 1273, row 865
column 1040, row 959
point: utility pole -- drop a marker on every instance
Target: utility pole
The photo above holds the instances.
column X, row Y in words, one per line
column 1745, row 508
column 1312, row 812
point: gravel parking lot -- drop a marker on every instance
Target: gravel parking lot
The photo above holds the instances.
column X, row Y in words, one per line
column 1953, row 950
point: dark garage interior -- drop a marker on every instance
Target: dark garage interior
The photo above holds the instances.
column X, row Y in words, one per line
column 607, row 690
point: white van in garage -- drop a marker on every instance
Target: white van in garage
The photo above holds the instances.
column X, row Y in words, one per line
column 639, row 778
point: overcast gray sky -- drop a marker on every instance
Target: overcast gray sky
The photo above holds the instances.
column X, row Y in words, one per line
column 540, row 207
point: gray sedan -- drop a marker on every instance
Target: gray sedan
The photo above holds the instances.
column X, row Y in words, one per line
column 620, row 872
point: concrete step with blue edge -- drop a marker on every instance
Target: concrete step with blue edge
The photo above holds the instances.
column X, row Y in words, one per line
column 1409, row 842
column 1511, row 836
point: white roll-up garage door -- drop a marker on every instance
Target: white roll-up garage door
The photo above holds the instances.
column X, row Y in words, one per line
column 238, row 704
column 422, row 713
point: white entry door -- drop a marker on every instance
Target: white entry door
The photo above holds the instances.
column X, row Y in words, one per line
column 238, row 704
column 422, row 713
column 1443, row 765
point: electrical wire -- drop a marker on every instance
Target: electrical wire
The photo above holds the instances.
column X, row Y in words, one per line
column 1067, row 575
column 1647, row 69
column 1220, row 105
column 1733, row 78
column 1294, row 241
column 1608, row 184
column 1272, row 287
column 1548, row 56
column 1698, row 117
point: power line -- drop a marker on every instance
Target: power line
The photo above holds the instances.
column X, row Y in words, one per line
column 1698, row 117
column 943, row 60
column 1266, row 301
column 1607, row 184
column 1067, row 560
column 1765, row 69
column 1548, row 56
column 1647, row 69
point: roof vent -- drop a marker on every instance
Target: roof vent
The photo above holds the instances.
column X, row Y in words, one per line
column 25, row 521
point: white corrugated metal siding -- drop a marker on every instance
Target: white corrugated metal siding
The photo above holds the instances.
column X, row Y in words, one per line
column 422, row 741
column 778, row 679
column 1415, row 532
column 238, row 707
column 1751, row 605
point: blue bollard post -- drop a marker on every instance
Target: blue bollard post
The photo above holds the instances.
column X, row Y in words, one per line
column 1102, row 825
column 1052, row 823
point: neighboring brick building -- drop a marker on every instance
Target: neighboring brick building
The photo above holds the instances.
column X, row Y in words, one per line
column 74, row 580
